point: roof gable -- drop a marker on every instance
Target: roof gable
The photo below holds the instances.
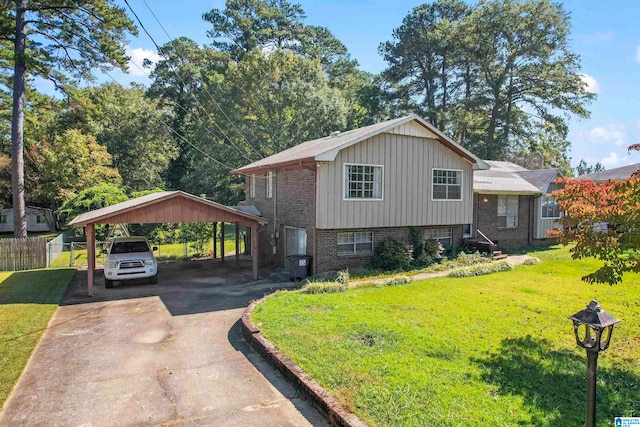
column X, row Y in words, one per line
column 165, row 208
column 327, row 148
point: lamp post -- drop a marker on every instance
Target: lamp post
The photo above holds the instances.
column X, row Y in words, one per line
column 594, row 337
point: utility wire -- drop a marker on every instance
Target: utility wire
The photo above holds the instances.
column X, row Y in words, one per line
column 207, row 89
column 184, row 83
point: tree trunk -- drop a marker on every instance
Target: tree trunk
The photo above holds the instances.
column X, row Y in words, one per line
column 17, row 127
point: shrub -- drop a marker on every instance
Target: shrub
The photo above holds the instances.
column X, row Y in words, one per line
column 392, row 255
column 532, row 261
column 323, row 288
column 398, row 280
column 343, row 277
column 465, row 259
column 425, row 251
column 481, row 269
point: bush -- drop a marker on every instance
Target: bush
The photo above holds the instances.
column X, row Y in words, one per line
column 323, row 288
column 392, row 255
column 343, row 277
column 532, row 261
column 479, row 270
column 465, row 259
column 425, row 251
column 398, row 280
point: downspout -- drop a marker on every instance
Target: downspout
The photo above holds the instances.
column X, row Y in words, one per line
column 274, row 195
column 315, row 220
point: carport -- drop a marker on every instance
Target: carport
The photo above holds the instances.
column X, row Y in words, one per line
column 164, row 207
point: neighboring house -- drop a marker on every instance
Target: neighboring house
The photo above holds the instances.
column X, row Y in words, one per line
column 336, row 197
column 38, row 220
column 616, row 174
column 513, row 206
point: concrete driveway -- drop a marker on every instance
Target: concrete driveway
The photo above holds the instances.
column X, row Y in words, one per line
column 166, row 354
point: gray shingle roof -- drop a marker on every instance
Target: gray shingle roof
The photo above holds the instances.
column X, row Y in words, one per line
column 325, row 148
column 510, row 178
column 541, row 178
column 620, row 173
column 496, row 181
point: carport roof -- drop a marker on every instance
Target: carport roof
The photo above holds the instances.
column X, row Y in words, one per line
column 165, row 206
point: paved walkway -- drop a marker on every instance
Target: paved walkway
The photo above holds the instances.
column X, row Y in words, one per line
column 173, row 358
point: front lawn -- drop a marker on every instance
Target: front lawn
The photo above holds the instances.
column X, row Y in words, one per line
column 28, row 299
column 493, row 350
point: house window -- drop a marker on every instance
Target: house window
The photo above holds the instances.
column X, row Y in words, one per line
column 447, row 184
column 363, row 182
column 507, row 211
column 550, row 208
column 3, row 219
column 358, row 242
column 269, row 185
column 467, row 232
column 252, row 186
column 442, row 235
column 41, row 219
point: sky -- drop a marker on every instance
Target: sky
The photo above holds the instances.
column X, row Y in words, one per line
column 604, row 33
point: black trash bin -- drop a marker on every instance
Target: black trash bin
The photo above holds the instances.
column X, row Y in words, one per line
column 299, row 266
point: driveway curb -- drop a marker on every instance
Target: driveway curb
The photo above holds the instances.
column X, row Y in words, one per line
column 336, row 413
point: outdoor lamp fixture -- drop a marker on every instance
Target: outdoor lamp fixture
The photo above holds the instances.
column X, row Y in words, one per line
column 593, row 328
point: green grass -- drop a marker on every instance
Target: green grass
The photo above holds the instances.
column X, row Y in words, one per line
column 166, row 252
column 28, row 299
column 492, row 350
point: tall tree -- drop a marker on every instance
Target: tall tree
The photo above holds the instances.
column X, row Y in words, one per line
column 133, row 128
column 49, row 39
column 584, row 168
column 496, row 76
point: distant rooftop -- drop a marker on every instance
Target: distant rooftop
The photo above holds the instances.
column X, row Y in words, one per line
column 615, row 174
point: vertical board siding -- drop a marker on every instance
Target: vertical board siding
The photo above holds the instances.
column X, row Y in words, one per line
column 407, row 161
column 23, row 254
column 412, row 129
column 542, row 225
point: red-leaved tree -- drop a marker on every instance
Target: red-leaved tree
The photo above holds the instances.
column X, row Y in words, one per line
column 603, row 220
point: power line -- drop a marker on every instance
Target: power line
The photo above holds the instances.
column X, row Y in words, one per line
column 205, row 87
column 184, row 83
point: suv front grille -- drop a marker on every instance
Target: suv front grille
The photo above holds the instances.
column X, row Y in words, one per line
column 131, row 264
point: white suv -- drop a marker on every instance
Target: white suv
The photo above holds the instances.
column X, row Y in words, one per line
column 129, row 258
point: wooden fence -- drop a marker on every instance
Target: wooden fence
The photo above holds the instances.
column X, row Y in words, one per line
column 23, row 254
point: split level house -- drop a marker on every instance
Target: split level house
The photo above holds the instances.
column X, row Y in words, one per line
column 336, row 197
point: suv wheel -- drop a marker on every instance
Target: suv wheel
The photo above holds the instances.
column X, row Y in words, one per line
column 153, row 279
column 108, row 283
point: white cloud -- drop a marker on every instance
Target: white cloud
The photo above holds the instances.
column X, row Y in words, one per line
column 638, row 54
column 611, row 160
column 136, row 60
column 591, row 83
column 599, row 36
column 611, row 133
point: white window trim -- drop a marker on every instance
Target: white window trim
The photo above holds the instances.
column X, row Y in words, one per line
column 344, row 184
column 354, row 253
column 517, row 216
column 542, row 206
column 269, row 185
column 461, row 185
column 252, row 186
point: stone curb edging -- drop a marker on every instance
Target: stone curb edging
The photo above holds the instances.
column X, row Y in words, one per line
column 336, row 413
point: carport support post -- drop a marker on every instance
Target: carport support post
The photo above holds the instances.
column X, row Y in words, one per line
column 237, row 244
column 215, row 239
column 90, row 231
column 254, row 249
column 222, row 241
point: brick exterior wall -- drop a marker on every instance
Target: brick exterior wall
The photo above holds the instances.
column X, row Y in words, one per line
column 294, row 193
column 487, row 221
column 327, row 251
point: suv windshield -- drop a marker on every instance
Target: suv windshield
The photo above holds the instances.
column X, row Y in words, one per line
column 129, row 247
